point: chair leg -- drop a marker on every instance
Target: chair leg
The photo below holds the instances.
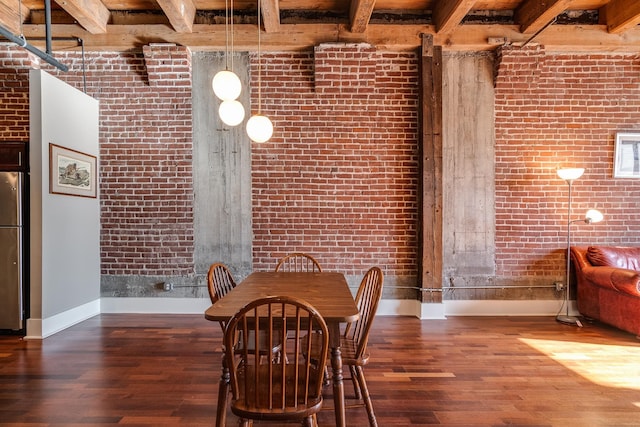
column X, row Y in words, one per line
column 355, row 381
column 366, row 397
column 310, row 421
column 223, row 392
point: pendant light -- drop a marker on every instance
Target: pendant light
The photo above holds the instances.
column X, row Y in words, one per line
column 231, row 112
column 226, row 84
column 259, row 127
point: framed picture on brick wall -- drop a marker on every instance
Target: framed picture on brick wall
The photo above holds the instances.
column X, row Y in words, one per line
column 71, row 172
column 627, row 155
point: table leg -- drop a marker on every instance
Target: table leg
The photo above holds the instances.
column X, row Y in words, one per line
column 336, row 365
column 223, row 393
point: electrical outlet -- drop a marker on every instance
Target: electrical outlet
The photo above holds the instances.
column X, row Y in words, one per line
column 168, row 286
column 559, row 286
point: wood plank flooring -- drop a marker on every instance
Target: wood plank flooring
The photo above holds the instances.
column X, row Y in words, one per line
column 163, row 370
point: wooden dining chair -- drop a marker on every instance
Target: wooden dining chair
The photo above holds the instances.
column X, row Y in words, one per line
column 284, row 389
column 353, row 342
column 354, row 339
column 219, row 282
column 298, row 262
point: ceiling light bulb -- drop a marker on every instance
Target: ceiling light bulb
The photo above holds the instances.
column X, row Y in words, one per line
column 259, row 128
column 231, row 112
column 226, row 85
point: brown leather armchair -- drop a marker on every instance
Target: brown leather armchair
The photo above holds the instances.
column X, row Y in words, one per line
column 608, row 284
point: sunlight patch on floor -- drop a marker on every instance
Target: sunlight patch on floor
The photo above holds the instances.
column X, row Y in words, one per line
column 606, row 365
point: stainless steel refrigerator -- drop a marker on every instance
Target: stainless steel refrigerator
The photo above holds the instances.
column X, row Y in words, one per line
column 11, row 304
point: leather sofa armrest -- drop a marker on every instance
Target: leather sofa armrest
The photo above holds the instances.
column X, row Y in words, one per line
column 626, row 281
column 617, row 279
column 599, row 276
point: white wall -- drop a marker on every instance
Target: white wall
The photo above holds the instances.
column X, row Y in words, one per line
column 65, row 230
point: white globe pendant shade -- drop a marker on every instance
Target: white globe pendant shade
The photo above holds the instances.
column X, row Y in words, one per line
column 226, row 85
column 231, row 112
column 259, row 128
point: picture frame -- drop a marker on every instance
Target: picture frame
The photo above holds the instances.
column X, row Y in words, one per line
column 626, row 160
column 72, row 172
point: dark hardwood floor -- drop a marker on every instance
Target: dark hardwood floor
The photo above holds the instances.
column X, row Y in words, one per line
column 163, row 370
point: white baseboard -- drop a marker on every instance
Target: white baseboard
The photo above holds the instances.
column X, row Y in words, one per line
column 387, row 307
column 506, row 307
column 155, row 305
column 42, row 328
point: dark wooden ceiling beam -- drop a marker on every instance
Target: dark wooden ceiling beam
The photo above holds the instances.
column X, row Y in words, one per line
column 360, row 14
column 534, row 15
column 620, row 15
column 180, row 14
column 448, row 14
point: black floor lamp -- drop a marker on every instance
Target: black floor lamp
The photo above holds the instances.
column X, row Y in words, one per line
column 592, row 216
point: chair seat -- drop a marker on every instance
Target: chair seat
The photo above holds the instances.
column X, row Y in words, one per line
column 263, row 348
column 293, row 407
column 348, row 350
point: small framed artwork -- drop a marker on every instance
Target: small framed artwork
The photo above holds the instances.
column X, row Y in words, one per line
column 72, row 172
column 627, row 155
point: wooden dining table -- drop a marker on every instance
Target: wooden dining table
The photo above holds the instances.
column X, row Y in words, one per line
column 328, row 292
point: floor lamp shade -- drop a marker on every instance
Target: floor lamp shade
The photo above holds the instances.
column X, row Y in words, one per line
column 570, row 174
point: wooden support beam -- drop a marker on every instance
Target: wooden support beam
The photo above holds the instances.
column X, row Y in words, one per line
column 430, row 145
column 534, row 15
column 447, row 15
column 180, row 14
column 205, row 37
column 621, row 15
column 360, row 14
column 92, row 15
column 9, row 15
column 270, row 15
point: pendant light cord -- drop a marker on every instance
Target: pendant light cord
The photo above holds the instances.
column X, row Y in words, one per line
column 226, row 34
column 259, row 60
column 231, row 34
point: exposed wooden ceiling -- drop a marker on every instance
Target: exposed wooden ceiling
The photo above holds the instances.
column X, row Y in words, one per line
column 571, row 25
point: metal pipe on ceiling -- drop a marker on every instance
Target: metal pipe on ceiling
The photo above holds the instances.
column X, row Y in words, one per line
column 47, row 26
column 22, row 42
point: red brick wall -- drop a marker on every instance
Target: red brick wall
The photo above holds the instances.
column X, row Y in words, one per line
column 146, row 187
column 555, row 110
column 339, row 177
column 14, row 95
